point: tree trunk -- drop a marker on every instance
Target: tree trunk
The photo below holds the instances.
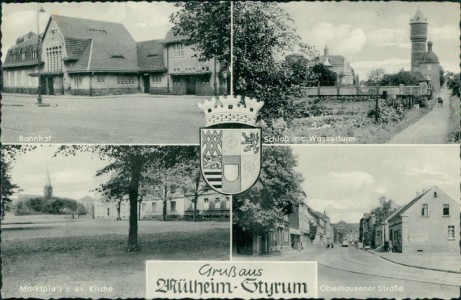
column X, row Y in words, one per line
column 133, row 196
column 195, row 209
column 118, row 211
column 164, row 210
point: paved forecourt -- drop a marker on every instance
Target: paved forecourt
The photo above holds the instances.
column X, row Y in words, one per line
column 121, row 119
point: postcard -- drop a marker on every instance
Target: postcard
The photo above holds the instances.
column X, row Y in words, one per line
column 233, row 149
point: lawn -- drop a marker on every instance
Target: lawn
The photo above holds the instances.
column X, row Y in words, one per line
column 73, row 259
column 347, row 119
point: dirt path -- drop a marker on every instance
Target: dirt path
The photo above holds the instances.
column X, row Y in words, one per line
column 430, row 129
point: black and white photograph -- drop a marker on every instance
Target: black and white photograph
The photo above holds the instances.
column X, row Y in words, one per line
column 80, row 221
column 116, row 73
column 350, row 72
column 230, row 149
column 381, row 222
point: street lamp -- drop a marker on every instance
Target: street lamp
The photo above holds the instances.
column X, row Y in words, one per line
column 39, row 54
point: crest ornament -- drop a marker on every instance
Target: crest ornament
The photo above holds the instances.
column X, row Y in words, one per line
column 230, row 144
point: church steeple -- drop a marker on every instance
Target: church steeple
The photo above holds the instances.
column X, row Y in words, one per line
column 326, row 51
column 48, row 188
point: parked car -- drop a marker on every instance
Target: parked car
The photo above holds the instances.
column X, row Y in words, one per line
column 345, row 243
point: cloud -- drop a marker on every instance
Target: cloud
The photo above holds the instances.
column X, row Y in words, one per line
column 389, row 36
column 431, row 174
column 445, row 32
column 342, row 39
column 352, row 180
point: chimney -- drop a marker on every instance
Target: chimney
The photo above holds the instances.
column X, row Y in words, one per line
column 424, row 190
column 417, row 194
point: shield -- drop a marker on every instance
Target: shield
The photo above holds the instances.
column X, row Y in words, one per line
column 230, row 158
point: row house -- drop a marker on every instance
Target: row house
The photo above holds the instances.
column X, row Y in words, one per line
column 321, row 230
column 428, row 223
column 209, row 206
column 367, row 229
column 90, row 57
column 299, row 225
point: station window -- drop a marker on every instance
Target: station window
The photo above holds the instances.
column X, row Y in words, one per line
column 78, row 80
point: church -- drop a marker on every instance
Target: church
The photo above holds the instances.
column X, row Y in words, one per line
column 423, row 60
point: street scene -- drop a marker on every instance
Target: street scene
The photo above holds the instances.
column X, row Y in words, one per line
column 72, row 227
column 348, row 272
column 124, row 73
column 370, row 219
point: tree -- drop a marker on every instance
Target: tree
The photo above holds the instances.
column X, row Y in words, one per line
column 116, row 189
column 163, row 182
column 276, row 192
column 263, row 35
column 442, row 76
column 398, row 78
column 325, row 76
column 453, row 83
column 132, row 162
column 192, row 181
column 207, row 26
column 384, row 209
column 297, row 66
column 375, row 76
column 9, row 188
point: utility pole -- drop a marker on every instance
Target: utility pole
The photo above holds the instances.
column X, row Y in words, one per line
column 39, row 55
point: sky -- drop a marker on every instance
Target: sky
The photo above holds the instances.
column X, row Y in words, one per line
column 368, row 34
column 145, row 21
column 346, row 181
column 377, row 34
column 71, row 176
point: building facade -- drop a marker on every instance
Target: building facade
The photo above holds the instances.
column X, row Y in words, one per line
column 21, row 61
column 339, row 65
column 428, row 223
column 299, row 226
column 209, row 206
column 90, row 57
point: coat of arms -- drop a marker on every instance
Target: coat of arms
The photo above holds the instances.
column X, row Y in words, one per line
column 230, row 145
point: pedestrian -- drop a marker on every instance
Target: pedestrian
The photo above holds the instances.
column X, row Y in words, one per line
column 390, row 246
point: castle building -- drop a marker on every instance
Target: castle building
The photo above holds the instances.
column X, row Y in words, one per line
column 338, row 64
column 423, row 59
column 90, row 57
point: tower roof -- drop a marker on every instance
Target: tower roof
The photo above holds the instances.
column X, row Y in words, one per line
column 419, row 18
column 429, row 56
